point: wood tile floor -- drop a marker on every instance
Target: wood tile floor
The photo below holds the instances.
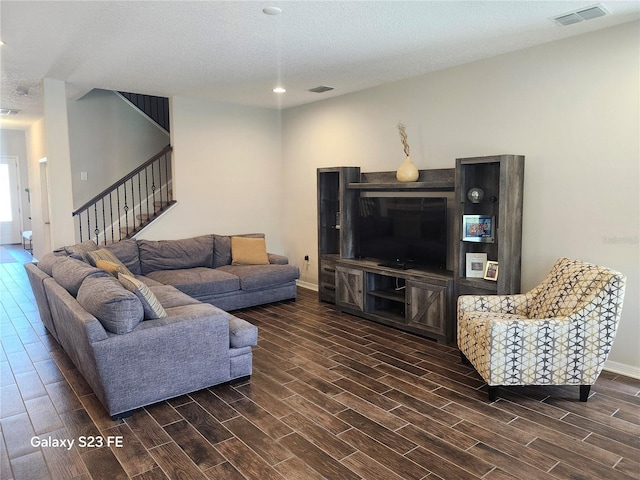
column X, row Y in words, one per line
column 332, row 396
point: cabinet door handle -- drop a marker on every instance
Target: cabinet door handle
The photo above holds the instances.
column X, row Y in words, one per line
column 330, row 270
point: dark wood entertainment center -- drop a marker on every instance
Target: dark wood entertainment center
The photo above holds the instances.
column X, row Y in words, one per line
column 419, row 300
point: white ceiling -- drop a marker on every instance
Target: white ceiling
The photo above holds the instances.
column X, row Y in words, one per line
column 231, row 51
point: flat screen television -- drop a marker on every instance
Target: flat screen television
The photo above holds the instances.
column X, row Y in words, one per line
column 404, row 232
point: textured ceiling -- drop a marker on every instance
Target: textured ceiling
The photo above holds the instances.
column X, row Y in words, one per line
column 231, row 51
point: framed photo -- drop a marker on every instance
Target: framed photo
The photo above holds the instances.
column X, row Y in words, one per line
column 476, row 263
column 478, row 228
column 491, row 271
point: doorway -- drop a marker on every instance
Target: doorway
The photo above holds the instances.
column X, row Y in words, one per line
column 10, row 218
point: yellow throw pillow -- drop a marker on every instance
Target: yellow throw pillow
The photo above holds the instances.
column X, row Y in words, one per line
column 150, row 303
column 104, row 254
column 249, row 251
column 111, row 267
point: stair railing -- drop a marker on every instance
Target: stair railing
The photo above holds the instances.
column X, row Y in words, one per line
column 123, row 209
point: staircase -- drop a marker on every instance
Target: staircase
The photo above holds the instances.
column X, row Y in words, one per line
column 129, row 205
column 155, row 108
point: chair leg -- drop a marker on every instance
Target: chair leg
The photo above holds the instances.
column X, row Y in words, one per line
column 493, row 393
column 584, row 392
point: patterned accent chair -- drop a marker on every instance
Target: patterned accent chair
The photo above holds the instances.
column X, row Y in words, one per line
column 559, row 333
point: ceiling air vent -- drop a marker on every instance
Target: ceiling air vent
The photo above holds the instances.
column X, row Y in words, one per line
column 320, row 89
column 580, row 15
column 9, row 111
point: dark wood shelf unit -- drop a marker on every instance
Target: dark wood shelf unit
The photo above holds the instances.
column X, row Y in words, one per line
column 435, row 180
column 501, row 177
column 416, row 300
column 337, row 224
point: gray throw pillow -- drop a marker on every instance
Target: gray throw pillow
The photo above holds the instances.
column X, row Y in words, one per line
column 118, row 310
column 79, row 250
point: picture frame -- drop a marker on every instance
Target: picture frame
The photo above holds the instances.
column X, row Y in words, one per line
column 476, row 264
column 491, row 271
column 478, row 228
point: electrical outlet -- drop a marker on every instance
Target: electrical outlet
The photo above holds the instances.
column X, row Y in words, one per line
column 306, row 258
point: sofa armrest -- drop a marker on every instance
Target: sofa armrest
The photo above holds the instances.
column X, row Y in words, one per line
column 276, row 259
column 165, row 357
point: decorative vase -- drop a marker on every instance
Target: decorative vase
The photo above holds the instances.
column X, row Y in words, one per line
column 407, row 172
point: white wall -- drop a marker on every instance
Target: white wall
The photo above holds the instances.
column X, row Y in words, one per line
column 108, row 139
column 56, row 140
column 571, row 107
column 228, row 172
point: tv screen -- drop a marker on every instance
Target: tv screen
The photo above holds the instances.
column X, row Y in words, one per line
column 404, row 231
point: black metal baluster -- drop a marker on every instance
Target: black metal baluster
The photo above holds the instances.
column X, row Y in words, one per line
column 111, row 217
column 95, row 217
column 119, row 215
column 146, row 191
column 104, row 223
column 126, row 211
column 80, row 225
column 153, row 187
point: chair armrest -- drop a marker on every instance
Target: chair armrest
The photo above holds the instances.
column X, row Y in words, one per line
column 276, row 259
column 511, row 304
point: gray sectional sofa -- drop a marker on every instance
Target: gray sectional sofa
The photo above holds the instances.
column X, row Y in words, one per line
column 129, row 357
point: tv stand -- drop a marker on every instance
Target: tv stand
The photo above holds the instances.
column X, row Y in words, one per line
column 417, row 301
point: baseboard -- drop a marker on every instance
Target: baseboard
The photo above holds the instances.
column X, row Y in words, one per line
column 307, row 285
column 622, row 369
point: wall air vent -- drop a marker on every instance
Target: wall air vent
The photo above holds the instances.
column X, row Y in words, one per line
column 580, row 15
column 320, row 89
column 9, row 111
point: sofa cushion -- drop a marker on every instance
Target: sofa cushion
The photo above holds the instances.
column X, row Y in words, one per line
column 175, row 254
column 79, row 250
column 249, row 251
column 107, row 255
column 222, row 248
column 70, row 273
column 242, row 333
column 198, row 281
column 48, row 260
column 117, row 309
column 150, row 304
column 257, row 277
column 127, row 252
column 171, row 297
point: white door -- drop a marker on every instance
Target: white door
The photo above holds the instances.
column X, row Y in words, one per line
column 10, row 221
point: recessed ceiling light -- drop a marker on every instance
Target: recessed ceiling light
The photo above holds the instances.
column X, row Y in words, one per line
column 1, row 43
column 279, row 90
column 272, row 10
